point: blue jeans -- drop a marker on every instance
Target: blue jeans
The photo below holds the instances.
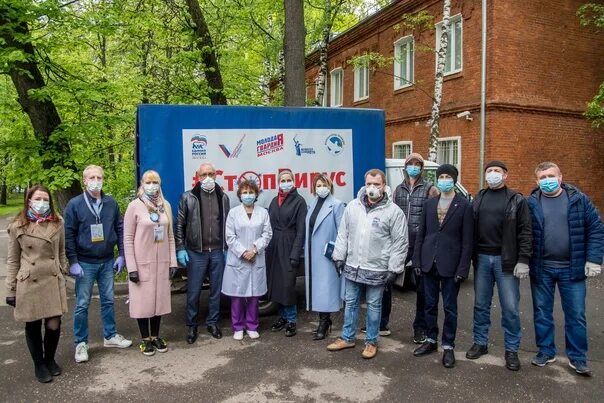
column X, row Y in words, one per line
column 200, row 264
column 572, row 296
column 488, row 273
column 373, row 294
column 434, row 284
column 102, row 273
column 289, row 312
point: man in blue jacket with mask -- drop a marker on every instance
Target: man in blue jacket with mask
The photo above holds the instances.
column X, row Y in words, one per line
column 568, row 247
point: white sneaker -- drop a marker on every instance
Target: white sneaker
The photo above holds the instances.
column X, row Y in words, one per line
column 238, row 335
column 117, row 341
column 253, row 334
column 81, row 353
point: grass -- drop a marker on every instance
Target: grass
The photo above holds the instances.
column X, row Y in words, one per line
column 14, row 204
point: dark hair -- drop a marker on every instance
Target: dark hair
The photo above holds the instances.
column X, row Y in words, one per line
column 21, row 218
column 247, row 184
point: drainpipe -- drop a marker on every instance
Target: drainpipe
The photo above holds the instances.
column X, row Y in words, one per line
column 483, row 90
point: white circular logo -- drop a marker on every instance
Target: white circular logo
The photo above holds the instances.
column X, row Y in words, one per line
column 334, row 144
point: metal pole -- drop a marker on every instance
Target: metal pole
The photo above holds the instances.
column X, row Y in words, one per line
column 483, row 90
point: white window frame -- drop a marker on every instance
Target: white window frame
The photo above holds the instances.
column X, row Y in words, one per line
column 402, row 143
column 452, row 138
column 357, row 83
column 451, row 46
column 410, row 59
column 332, row 101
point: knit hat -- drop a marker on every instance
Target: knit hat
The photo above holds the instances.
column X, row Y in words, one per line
column 496, row 163
column 414, row 156
column 449, row 170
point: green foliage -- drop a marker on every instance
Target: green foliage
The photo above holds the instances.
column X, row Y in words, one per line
column 372, row 60
column 592, row 15
column 595, row 108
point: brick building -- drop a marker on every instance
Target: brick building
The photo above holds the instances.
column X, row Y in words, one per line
column 542, row 68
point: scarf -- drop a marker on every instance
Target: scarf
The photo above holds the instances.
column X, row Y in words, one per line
column 153, row 203
column 282, row 196
column 37, row 218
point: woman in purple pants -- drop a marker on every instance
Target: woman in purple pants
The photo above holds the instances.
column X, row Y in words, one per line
column 248, row 232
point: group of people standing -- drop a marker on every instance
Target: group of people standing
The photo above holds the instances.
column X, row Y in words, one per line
column 350, row 252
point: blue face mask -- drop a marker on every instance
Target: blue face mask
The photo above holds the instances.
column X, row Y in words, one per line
column 549, row 185
column 445, row 185
column 286, row 186
column 248, row 199
column 413, row 170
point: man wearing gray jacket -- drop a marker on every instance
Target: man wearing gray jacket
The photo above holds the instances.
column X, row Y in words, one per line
column 371, row 249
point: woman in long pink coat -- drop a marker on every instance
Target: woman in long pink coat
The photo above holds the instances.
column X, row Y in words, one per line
column 150, row 256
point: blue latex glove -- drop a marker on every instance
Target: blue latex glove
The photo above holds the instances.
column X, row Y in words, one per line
column 119, row 264
column 76, row 270
column 183, row 257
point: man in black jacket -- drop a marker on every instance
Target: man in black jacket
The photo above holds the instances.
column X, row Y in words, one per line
column 443, row 251
column 502, row 249
column 200, row 246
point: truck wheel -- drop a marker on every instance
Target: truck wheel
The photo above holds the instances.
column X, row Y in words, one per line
column 411, row 281
column 267, row 307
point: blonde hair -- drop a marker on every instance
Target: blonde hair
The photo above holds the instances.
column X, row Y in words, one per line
column 153, row 176
column 285, row 171
column 90, row 168
column 543, row 166
column 323, row 178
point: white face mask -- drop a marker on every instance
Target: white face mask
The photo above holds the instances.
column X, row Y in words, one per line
column 208, row 184
column 151, row 189
column 94, row 186
column 286, row 186
column 373, row 192
column 323, row 192
column 40, row 206
column 494, row 179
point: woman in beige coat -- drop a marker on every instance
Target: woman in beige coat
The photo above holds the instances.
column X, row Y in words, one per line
column 150, row 256
column 35, row 284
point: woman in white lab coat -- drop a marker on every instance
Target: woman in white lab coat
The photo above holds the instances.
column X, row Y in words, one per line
column 248, row 232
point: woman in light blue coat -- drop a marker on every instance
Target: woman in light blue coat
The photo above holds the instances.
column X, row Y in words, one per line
column 248, row 232
column 322, row 280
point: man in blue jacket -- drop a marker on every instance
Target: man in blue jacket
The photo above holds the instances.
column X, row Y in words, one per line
column 93, row 227
column 568, row 246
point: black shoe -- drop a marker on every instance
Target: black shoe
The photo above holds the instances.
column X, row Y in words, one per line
column 191, row 334
column 54, row 368
column 448, row 358
column 322, row 330
column 290, row 329
column 419, row 336
column 511, row 361
column 42, row 373
column 278, row 325
column 146, row 347
column 160, row 344
column 425, row 349
column 214, row 330
column 384, row 330
column 476, row 351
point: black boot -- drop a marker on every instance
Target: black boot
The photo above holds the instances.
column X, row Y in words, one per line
column 323, row 328
column 33, row 337
column 51, row 341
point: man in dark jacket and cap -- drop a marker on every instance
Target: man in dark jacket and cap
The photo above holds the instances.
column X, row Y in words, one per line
column 502, row 249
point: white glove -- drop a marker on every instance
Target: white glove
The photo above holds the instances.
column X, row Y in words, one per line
column 592, row 269
column 521, row 270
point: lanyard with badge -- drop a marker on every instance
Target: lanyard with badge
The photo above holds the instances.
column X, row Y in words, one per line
column 154, row 215
column 96, row 230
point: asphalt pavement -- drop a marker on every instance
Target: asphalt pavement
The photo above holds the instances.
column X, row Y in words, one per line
column 298, row 369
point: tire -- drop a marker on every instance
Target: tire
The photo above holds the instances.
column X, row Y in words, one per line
column 267, row 307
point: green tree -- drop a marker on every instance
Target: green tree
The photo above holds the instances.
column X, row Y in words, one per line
column 592, row 15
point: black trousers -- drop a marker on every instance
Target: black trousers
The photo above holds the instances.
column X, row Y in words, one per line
column 434, row 285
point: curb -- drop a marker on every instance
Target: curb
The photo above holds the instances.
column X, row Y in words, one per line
column 118, row 288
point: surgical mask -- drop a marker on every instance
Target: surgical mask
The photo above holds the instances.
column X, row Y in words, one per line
column 373, row 192
column 445, row 185
column 286, row 186
column 323, row 192
column 248, row 199
column 151, row 189
column 494, row 178
column 94, row 186
column 413, row 170
column 549, row 185
column 40, row 206
column 208, row 184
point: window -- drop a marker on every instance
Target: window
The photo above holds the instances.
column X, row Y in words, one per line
column 324, row 103
column 401, row 149
column 336, row 80
column 453, row 58
column 449, row 151
column 403, row 62
column 361, row 83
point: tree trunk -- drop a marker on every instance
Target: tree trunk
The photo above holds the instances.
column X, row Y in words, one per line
column 438, row 82
column 295, row 33
column 42, row 113
column 330, row 12
column 208, row 55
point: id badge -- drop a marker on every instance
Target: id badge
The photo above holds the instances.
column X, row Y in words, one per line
column 96, row 233
column 158, row 233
